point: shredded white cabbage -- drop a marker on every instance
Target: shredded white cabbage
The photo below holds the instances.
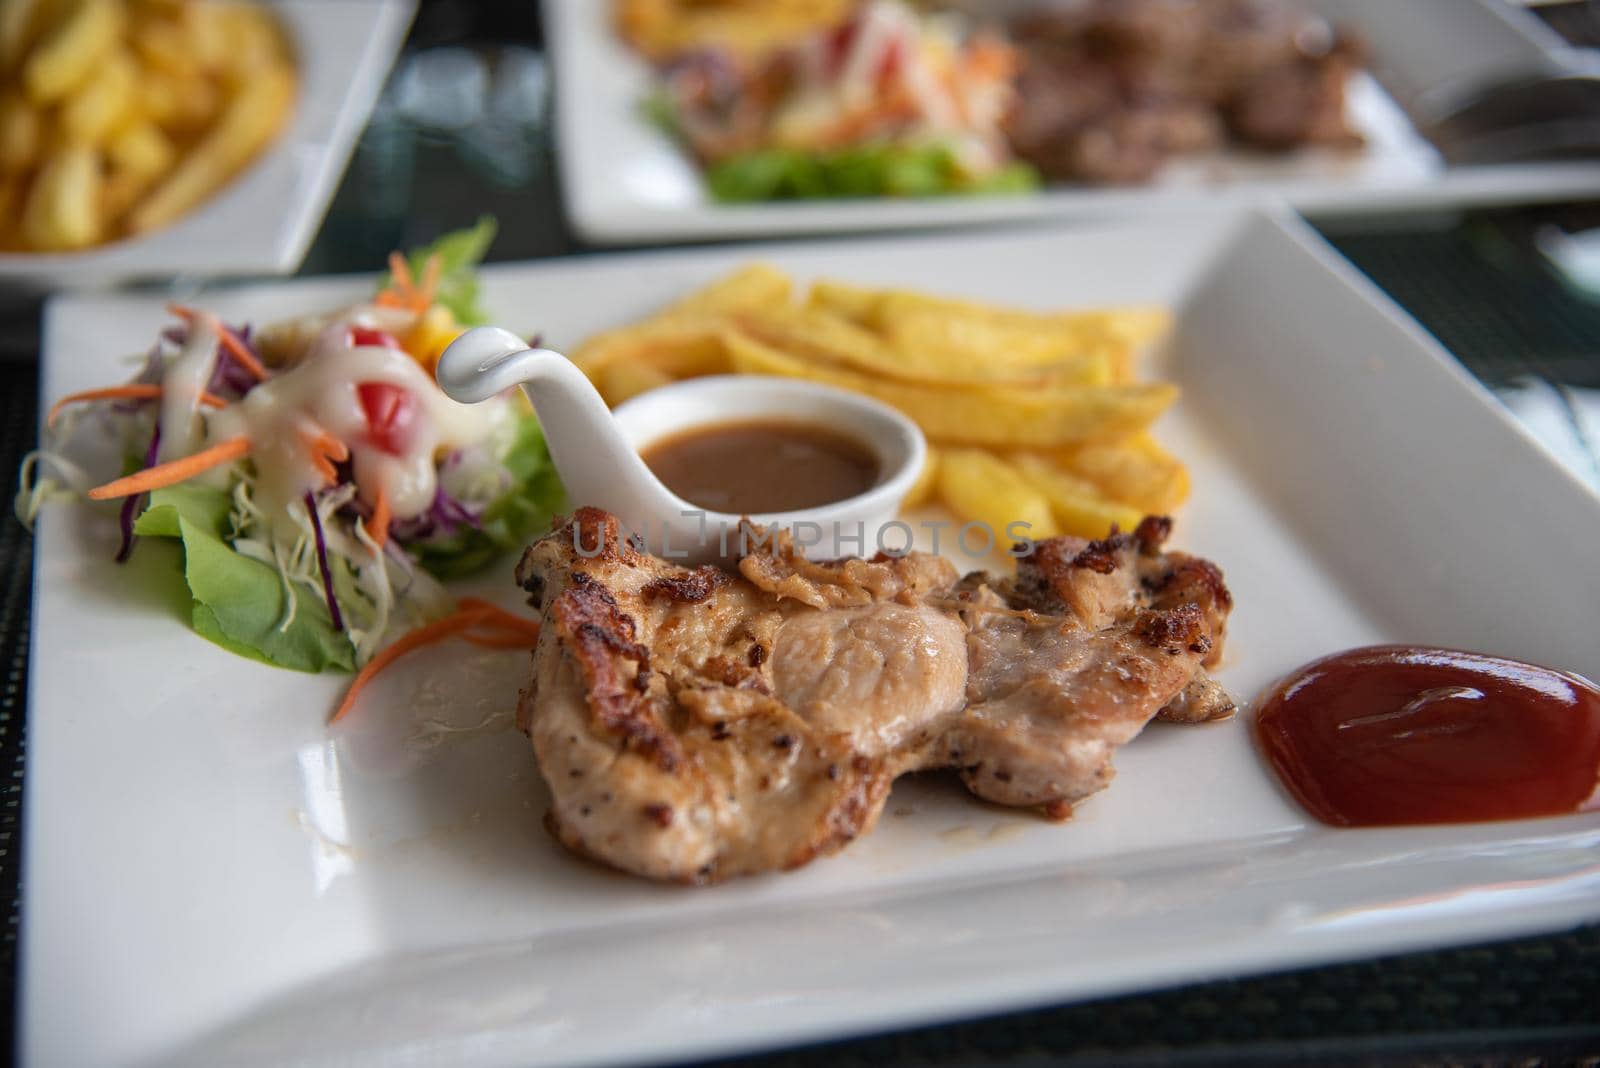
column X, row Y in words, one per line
column 33, row 491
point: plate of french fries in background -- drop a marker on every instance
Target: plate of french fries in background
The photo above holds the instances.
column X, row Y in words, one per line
column 143, row 138
column 1031, row 416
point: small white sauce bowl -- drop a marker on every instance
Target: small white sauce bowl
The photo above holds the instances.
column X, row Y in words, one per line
column 852, row 526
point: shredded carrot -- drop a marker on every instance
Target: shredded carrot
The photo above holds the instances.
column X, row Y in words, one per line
column 507, row 640
column 475, row 620
column 136, row 391
column 430, row 282
column 325, row 468
column 401, row 270
column 230, row 341
column 436, row 631
column 329, row 446
column 404, row 291
column 174, row 471
column 378, row 525
column 325, row 450
column 500, row 617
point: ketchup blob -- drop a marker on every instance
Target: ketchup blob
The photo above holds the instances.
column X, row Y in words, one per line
column 1396, row 734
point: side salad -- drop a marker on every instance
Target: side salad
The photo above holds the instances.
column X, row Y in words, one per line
column 888, row 102
column 318, row 480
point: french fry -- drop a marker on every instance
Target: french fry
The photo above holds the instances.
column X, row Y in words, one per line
column 162, row 45
column 161, row 95
column 678, row 344
column 70, row 52
column 909, row 323
column 20, row 22
column 1015, row 417
column 63, row 207
column 141, row 150
column 1135, row 327
column 982, row 488
column 251, row 42
column 821, row 335
column 685, row 339
column 11, row 191
column 21, row 134
column 1131, row 324
column 100, row 104
column 983, row 349
column 994, row 342
column 757, row 285
column 195, row 105
column 248, row 122
column 922, row 490
column 1135, row 470
column 208, row 36
column 1078, row 505
column 618, row 382
column 856, row 303
column 661, row 28
column 118, row 192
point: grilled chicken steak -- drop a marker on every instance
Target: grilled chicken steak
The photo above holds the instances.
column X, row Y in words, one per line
column 697, row 724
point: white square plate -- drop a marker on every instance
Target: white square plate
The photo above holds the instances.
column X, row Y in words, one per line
column 263, row 221
column 625, row 181
column 225, row 882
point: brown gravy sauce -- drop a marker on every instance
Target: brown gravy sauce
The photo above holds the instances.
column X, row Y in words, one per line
column 762, row 466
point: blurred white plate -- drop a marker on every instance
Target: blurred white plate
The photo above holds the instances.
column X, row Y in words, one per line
column 625, row 181
column 227, row 883
column 263, row 221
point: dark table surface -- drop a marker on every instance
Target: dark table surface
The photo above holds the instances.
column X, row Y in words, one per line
column 1476, row 280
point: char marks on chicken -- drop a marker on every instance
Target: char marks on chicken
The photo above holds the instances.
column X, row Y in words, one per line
column 698, row 724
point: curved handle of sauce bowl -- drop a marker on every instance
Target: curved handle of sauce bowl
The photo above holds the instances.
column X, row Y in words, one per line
column 598, row 466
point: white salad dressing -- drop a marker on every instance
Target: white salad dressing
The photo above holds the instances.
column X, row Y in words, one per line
column 184, row 380
column 321, row 393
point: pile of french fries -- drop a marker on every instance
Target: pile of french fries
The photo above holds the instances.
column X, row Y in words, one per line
column 119, row 116
column 1032, row 417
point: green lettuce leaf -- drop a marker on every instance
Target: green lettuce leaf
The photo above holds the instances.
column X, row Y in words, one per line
column 511, row 520
column 237, row 602
column 859, row 171
column 459, row 252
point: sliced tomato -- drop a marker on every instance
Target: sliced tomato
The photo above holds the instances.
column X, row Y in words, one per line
column 891, row 64
column 367, row 335
column 391, row 413
column 837, row 45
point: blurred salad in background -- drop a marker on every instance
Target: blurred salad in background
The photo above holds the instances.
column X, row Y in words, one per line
column 319, row 481
column 886, row 102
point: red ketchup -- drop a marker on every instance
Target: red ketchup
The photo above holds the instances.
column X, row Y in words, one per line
column 1395, row 734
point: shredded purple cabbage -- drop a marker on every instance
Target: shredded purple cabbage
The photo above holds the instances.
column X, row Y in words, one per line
column 443, row 517
column 322, row 562
column 130, row 505
column 229, row 375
